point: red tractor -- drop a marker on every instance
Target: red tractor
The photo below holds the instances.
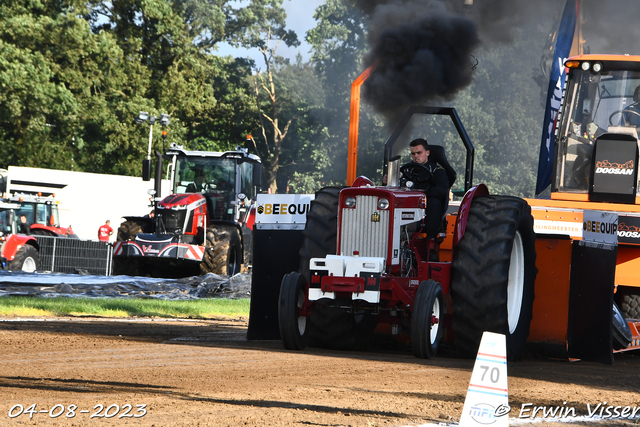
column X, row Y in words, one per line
column 203, row 226
column 364, row 262
column 42, row 214
column 18, row 251
column 365, row 266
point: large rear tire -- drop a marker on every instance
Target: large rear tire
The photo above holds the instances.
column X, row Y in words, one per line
column 223, row 253
column 320, row 231
column 293, row 326
column 494, row 274
column 426, row 322
column 42, row 232
column 630, row 306
column 26, row 259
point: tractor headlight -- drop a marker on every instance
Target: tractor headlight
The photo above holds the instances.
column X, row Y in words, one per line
column 350, row 202
column 586, row 65
column 383, row 203
column 597, row 67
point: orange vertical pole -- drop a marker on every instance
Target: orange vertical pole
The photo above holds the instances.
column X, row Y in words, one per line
column 354, row 121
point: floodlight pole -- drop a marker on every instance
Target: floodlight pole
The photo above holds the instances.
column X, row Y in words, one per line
column 152, row 121
column 150, row 142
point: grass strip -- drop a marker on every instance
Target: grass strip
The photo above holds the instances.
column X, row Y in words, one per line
column 107, row 307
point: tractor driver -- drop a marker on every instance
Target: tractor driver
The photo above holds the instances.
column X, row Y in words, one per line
column 432, row 179
column 24, row 227
column 199, row 184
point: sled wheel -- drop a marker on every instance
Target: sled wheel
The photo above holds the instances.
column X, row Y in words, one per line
column 26, row 259
column 293, row 326
column 223, row 252
column 493, row 278
column 630, row 306
column 426, row 323
column 620, row 330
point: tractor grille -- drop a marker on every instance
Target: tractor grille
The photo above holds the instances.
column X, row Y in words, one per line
column 173, row 220
column 360, row 232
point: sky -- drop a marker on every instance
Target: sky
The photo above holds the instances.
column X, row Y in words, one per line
column 299, row 19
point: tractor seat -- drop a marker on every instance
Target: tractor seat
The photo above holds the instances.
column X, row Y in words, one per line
column 437, row 154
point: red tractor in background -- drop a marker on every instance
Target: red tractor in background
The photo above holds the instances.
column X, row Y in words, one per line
column 203, row 226
column 42, row 214
column 18, row 251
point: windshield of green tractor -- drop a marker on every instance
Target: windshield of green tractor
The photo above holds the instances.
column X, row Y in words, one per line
column 595, row 104
column 212, row 175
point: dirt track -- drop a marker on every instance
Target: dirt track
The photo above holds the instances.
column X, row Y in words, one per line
column 206, row 373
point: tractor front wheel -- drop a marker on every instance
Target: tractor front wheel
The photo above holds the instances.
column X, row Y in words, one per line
column 494, row 272
column 426, row 323
column 26, row 259
column 293, row 326
column 223, row 251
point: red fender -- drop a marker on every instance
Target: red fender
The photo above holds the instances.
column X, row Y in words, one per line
column 14, row 242
column 463, row 211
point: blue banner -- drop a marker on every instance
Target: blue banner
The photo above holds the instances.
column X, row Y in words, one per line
column 554, row 94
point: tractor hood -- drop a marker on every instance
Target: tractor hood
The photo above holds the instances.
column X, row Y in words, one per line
column 182, row 201
column 183, row 214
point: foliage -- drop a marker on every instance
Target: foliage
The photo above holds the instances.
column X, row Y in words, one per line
column 500, row 109
column 296, row 98
column 74, row 74
column 339, row 46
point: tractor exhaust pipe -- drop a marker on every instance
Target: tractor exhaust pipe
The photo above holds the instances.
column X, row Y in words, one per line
column 158, row 175
column 157, row 221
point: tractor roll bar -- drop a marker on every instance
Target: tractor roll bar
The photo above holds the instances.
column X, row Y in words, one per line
column 444, row 111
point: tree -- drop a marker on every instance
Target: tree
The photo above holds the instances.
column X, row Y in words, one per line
column 75, row 73
column 276, row 117
column 339, row 47
column 499, row 109
column 52, row 65
column 279, row 132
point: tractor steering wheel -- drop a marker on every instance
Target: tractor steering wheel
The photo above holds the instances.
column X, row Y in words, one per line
column 413, row 172
column 622, row 112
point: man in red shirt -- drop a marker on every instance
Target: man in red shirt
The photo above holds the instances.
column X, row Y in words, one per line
column 105, row 231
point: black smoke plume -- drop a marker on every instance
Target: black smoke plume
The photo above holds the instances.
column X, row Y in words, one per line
column 428, row 59
column 424, row 48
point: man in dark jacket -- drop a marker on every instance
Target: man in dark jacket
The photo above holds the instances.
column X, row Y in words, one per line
column 24, row 227
column 432, row 179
